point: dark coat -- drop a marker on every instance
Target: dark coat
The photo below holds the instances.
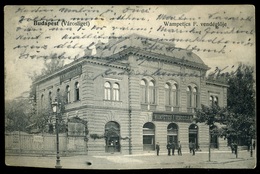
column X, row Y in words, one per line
column 173, row 146
column 157, row 147
column 168, row 146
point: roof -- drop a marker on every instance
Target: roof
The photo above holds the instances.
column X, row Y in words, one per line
column 139, row 45
column 166, row 50
column 217, row 83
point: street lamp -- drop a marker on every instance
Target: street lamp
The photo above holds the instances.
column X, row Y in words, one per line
column 55, row 106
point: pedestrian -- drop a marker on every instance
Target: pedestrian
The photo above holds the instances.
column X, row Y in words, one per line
column 179, row 148
column 168, row 146
column 193, row 148
column 173, row 148
column 232, row 147
column 248, row 145
column 254, row 145
column 157, row 148
column 190, row 146
column 235, row 148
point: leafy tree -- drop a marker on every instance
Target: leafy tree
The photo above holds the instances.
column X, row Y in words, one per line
column 211, row 115
column 42, row 120
column 16, row 115
column 238, row 118
column 52, row 65
column 240, row 125
column 241, row 92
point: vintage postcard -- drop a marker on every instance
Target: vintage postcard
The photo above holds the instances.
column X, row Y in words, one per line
column 130, row 86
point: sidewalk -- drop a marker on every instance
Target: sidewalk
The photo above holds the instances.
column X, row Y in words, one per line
column 219, row 159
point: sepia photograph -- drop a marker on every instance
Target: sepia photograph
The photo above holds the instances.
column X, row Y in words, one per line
column 130, row 86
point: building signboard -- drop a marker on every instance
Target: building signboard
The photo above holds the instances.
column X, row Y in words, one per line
column 172, row 117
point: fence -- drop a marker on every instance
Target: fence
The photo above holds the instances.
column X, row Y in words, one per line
column 43, row 144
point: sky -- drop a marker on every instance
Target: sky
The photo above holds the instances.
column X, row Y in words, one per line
column 236, row 34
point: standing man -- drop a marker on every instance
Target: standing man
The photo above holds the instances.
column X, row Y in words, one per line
column 173, row 147
column 235, row 148
column 179, row 148
column 248, row 145
column 157, row 148
column 232, row 147
column 193, row 148
column 190, row 146
column 168, row 146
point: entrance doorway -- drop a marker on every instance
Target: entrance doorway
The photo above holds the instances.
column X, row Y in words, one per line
column 172, row 133
column 213, row 137
column 193, row 135
column 148, row 136
column 112, row 137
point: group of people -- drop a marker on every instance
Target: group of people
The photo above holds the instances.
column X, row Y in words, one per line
column 170, row 147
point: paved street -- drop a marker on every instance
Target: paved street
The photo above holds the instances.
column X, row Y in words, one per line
column 224, row 159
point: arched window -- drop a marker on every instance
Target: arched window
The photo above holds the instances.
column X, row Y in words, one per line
column 167, row 94
column 152, row 92
column 195, row 97
column 171, row 95
column 116, row 92
column 77, row 91
column 175, row 94
column 189, row 97
column 216, row 100
column 148, row 136
column 42, row 101
column 211, row 100
column 143, row 91
column 50, row 98
column 67, row 94
column 107, row 91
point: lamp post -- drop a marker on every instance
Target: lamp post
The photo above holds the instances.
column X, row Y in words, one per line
column 55, row 109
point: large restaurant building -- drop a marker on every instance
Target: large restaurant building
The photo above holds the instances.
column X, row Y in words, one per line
column 135, row 92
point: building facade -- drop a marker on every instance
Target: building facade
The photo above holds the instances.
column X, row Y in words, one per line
column 134, row 92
